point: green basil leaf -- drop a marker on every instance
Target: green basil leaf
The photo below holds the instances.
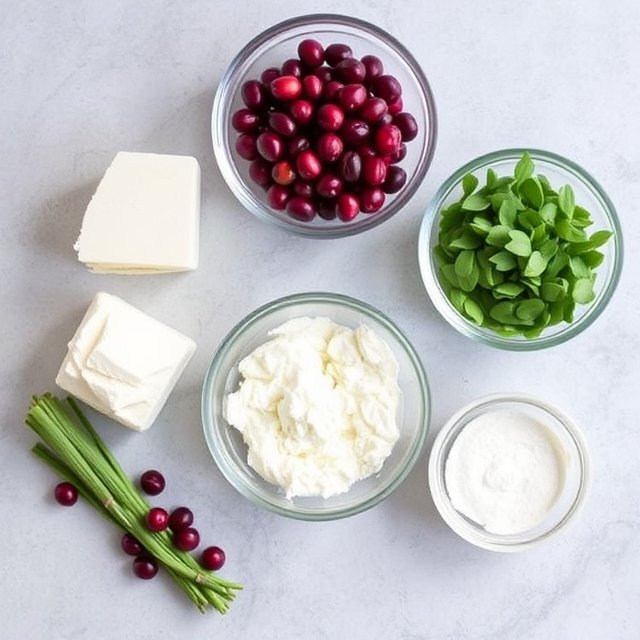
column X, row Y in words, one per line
column 492, row 179
column 581, row 218
column 592, row 259
column 583, row 291
column 535, row 265
column 475, row 202
column 519, row 245
column 504, row 261
column 469, row 184
column 507, row 290
column 579, row 268
column 557, row 264
column 498, row 236
column 530, row 309
column 548, row 212
column 457, row 298
column 551, row 291
column 468, row 240
column 481, row 226
column 524, row 169
column 548, row 249
column 566, row 200
column 504, row 312
column 531, row 193
column 474, row 311
column 547, row 189
column 596, row 240
column 508, row 213
column 566, row 231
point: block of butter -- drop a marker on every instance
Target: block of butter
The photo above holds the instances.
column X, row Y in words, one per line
column 144, row 216
column 123, row 363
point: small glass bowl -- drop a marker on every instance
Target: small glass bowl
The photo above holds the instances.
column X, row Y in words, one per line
column 272, row 48
column 588, row 194
column 227, row 446
column 577, row 473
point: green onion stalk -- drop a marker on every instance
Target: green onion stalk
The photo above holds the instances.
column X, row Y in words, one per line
column 74, row 450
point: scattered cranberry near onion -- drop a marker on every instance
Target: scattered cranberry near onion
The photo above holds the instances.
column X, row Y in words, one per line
column 65, row 494
column 324, row 133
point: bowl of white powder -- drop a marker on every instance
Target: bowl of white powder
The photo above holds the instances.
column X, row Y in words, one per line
column 508, row 471
column 315, row 406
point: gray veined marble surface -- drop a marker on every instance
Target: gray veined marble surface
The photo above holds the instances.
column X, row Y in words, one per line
column 80, row 81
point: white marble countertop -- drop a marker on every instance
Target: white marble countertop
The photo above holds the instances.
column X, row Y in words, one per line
column 80, row 81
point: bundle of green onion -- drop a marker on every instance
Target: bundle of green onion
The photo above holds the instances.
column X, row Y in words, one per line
column 78, row 454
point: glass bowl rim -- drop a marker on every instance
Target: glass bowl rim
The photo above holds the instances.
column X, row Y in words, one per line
column 456, row 522
column 265, row 310
column 219, row 123
column 427, row 266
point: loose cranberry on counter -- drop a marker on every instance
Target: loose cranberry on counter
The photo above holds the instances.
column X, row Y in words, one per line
column 131, row 545
column 347, row 207
column 65, row 494
column 407, row 125
column 336, row 53
column 180, row 518
column 386, row 87
column 245, row 120
column 212, row 558
column 311, row 52
column 330, row 117
column 152, row 482
column 145, row 567
column 157, row 519
column 186, row 539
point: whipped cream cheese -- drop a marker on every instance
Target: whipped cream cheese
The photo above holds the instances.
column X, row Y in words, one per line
column 317, row 406
column 505, row 471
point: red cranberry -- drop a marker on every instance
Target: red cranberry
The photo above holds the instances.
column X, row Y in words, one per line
column 292, row 67
column 301, row 111
column 329, row 186
column 324, row 74
column 329, row 147
column 283, row 173
column 407, row 125
column 330, row 117
column 311, row 52
column 65, row 494
column 347, row 207
column 286, row 88
column 244, row 120
column 373, row 109
column 186, row 539
column 373, row 67
column 281, row 123
column 303, row 188
column 312, row 87
column 246, row 146
column 308, row 165
column 371, row 199
column 386, row 87
column 350, row 166
column 180, row 518
column 253, row 94
column 301, row 209
column 396, row 106
column 327, row 209
column 269, row 75
column 351, row 71
column 355, row 132
column 374, row 171
column 152, row 482
column 400, row 155
column 145, row 567
column 332, row 90
column 352, row 96
column 260, row 172
column 277, row 196
column 388, row 139
column 395, row 180
column 130, row 545
column 297, row 145
column 387, row 118
column 157, row 519
column 337, row 52
column 270, row 146
column 366, row 150
column 212, row 558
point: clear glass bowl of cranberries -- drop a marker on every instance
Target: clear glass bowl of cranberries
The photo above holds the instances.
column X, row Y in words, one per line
column 229, row 450
column 324, row 125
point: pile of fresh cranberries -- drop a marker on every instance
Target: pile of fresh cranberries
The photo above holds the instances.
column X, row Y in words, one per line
column 324, row 133
column 179, row 521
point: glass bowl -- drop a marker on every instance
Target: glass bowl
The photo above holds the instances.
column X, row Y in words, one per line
column 227, row 446
column 570, row 498
column 272, row 48
column 588, row 194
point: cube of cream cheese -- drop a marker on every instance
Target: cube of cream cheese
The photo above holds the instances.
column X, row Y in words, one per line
column 124, row 363
column 144, row 216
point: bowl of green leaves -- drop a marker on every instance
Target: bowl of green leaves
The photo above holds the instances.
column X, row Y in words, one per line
column 520, row 249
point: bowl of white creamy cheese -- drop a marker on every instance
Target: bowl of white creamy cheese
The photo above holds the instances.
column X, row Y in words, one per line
column 508, row 471
column 315, row 406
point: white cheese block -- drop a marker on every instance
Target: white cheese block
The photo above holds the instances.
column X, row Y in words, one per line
column 124, row 363
column 144, row 216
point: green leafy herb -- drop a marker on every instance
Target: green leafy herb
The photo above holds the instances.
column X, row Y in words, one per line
column 514, row 255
